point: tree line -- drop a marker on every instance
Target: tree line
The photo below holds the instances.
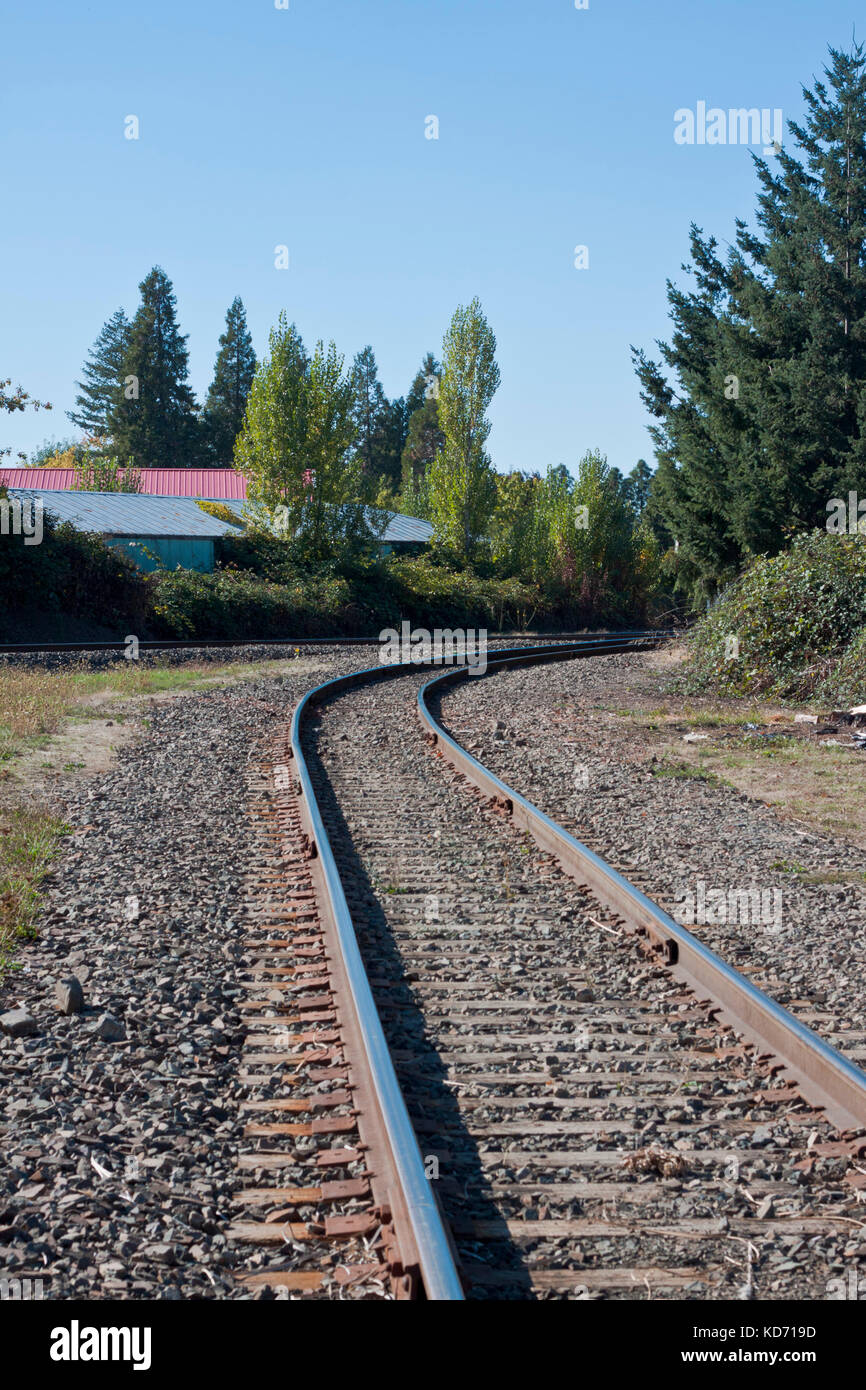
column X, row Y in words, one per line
column 327, row 455
column 134, row 400
column 759, row 398
column 576, row 537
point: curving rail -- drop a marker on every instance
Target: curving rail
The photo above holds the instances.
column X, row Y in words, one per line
column 424, row 1256
column 824, row 1076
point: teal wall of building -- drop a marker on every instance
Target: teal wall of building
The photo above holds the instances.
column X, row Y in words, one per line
column 195, row 553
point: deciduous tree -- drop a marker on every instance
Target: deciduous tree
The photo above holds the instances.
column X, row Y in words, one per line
column 462, row 482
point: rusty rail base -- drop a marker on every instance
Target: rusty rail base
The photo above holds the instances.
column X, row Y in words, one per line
column 824, row 1077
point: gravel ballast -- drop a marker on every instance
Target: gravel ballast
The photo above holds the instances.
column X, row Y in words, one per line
column 119, row 1111
column 552, row 732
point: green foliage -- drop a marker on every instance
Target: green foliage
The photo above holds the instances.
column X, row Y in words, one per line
column 844, row 683
column 220, row 511
column 431, row 594
column 73, row 572
column 793, row 615
column 103, row 377
column 424, row 441
column 760, row 396
column 19, row 399
column 378, row 423
column 52, row 451
column 241, row 604
column 234, row 370
column 425, row 385
column 305, row 479
column 96, row 473
column 515, row 524
column 153, row 418
column 462, row 482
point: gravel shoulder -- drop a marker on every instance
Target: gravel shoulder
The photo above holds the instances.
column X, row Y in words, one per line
column 559, row 735
column 119, row 1124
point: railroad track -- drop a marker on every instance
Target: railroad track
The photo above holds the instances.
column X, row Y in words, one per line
column 226, row 643
column 490, row 1066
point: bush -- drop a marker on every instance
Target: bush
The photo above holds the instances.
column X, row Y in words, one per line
column 844, row 683
column 73, row 572
column 794, row 615
column 243, row 605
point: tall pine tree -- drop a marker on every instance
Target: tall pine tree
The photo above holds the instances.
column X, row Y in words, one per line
column 761, row 398
column 154, row 420
column 102, row 377
column 378, row 422
column 425, row 386
column 423, row 438
column 227, row 398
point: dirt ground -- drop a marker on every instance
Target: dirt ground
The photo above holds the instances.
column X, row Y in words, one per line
column 757, row 746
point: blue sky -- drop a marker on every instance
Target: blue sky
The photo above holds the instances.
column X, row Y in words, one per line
column 306, row 127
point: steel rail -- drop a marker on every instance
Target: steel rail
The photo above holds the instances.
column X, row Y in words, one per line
column 825, row 1077
column 197, row 643
column 429, row 1249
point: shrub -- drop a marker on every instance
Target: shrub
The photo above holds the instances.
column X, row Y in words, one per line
column 794, row 614
column 844, row 683
column 73, row 572
column 240, row 604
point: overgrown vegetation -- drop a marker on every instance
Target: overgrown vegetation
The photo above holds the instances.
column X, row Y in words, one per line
column 792, row 625
column 71, row 572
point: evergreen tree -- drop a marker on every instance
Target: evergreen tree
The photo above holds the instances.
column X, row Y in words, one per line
column 227, row 398
column 462, row 482
column 378, row 422
column 102, row 377
column 425, row 386
column 423, row 442
column 766, row 419
column 424, row 437
column 154, row 418
column 637, row 487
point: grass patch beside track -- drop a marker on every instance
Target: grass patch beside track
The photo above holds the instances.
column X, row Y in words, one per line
column 29, row 840
column 48, row 734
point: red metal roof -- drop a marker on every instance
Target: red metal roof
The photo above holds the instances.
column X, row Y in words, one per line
column 160, row 482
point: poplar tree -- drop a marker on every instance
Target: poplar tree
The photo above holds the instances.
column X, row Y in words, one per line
column 462, row 482
column 297, row 448
column 154, row 418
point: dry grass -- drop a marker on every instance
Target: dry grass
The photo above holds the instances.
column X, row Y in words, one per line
column 811, row 782
column 40, row 709
column 661, row 1162
column 34, row 703
column 28, row 842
